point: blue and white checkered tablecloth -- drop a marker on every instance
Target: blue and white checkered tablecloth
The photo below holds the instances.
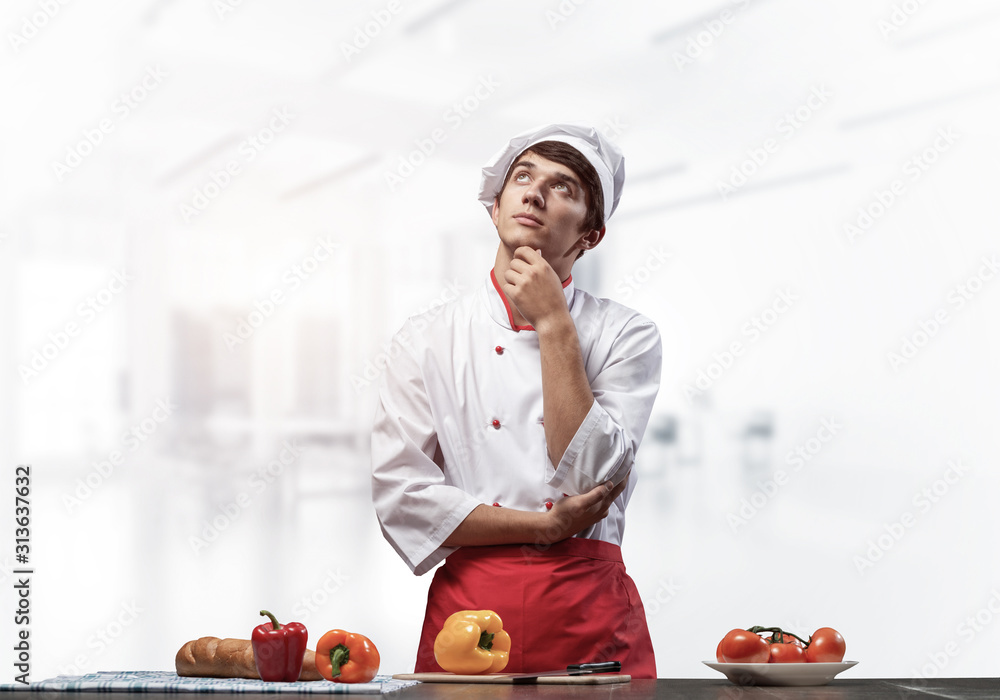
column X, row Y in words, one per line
column 170, row 682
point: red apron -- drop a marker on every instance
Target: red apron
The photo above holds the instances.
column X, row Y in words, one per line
column 571, row 603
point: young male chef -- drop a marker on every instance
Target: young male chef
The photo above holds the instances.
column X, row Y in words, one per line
column 508, row 425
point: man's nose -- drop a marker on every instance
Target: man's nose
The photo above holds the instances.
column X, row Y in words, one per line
column 533, row 195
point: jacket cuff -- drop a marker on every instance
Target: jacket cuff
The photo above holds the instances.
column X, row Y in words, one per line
column 567, row 476
column 432, row 553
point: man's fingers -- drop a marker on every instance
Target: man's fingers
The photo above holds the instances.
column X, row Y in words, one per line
column 518, row 265
column 609, row 495
column 526, row 253
column 594, row 505
column 617, row 491
column 595, row 497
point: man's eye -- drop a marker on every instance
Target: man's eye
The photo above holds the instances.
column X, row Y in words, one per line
column 521, row 177
column 562, row 186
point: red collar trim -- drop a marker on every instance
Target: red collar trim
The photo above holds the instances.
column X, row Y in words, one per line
column 506, row 304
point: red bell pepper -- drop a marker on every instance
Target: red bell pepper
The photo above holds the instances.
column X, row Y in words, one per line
column 278, row 650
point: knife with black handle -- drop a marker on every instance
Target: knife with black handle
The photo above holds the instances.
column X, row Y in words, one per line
column 571, row 670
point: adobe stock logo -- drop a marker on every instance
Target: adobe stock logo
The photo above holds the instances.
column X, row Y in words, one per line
column 102, row 470
column 900, row 15
column 454, row 116
column 752, row 330
column 966, row 632
column 697, row 44
column 219, row 179
column 796, row 458
column 231, row 511
column 563, row 12
column 787, row 126
column 32, row 25
column 914, row 168
column 958, row 296
column 923, row 500
column 268, row 304
column 377, row 365
column 121, row 109
column 656, row 260
column 365, row 34
column 62, row 338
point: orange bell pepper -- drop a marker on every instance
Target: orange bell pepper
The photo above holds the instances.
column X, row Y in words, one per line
column 346, row 657
column 472, row 642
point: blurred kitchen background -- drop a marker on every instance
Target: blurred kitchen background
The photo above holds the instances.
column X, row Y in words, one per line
column 214, row 215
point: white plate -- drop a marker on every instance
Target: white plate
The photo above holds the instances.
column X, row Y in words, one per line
column 781, row 674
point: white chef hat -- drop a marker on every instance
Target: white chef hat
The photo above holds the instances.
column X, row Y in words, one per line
column 605, row 156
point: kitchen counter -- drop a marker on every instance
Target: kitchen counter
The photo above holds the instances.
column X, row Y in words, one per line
column 696, row 689
column 703, row 689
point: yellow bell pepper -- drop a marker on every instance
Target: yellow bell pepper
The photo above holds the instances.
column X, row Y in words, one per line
column 471, row 642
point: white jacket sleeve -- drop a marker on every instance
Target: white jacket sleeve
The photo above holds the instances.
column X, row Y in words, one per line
column 416, row 507
column 625, row 387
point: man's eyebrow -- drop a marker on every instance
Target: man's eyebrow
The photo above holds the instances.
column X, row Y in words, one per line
column 562, row 175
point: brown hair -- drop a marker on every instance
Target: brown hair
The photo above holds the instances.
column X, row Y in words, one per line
column 564, row 154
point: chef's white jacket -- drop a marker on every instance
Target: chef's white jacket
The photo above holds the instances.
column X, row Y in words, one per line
column 459, row 418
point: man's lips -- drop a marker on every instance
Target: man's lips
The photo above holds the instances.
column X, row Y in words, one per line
column 527, row 219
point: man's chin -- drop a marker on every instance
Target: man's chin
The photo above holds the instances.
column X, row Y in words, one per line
column 522, row 237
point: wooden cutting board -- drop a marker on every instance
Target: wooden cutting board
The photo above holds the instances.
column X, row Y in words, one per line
column 508, row 678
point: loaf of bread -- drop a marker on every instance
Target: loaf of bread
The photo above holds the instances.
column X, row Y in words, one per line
column 211, row 657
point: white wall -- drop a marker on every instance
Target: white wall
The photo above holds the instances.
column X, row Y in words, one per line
column 355, row 206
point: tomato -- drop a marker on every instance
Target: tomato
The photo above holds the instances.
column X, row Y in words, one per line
column 718, row 653
column 786, row 653
column 826, row 645
column 743, row 647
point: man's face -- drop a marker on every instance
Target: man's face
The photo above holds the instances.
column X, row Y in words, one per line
column 542, row 206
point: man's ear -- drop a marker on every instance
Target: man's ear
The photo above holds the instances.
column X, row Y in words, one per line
column 495, row 213
column 592, row 238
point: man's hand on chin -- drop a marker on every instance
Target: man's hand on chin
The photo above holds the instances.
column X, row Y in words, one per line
column 535, row 288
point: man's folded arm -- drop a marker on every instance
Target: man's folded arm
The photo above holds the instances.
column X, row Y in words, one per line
column 604, row 445
column 489, row 525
